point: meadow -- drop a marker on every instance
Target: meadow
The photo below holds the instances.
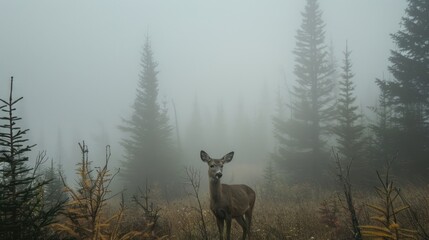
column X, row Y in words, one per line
column 302, row 211
column 297, row 212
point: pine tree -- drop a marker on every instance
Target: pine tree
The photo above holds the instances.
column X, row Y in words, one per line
column 349, row 130
column 270, row 180
column 301, row 138
column 195, row 140
column 149, row 149
column 260, row 126
column 382, row 148
column 262, row 120
column 220, row 130
column 408, row 91
column 334, row 65
column 22, row 211
column 54, row 191
column 243, row 134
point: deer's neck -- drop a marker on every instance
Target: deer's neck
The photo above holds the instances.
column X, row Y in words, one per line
column 215, row 190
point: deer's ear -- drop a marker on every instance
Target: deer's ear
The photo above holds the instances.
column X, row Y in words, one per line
column 204, row 156
column 228, row 157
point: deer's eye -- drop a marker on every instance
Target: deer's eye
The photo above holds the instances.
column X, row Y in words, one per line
column 212, row 166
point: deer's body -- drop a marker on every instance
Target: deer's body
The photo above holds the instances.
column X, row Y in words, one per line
column 229, row 202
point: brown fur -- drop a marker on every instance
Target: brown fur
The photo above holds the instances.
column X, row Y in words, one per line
column 229, row 202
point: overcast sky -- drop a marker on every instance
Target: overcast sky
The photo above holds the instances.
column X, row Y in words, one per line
column 77, row 62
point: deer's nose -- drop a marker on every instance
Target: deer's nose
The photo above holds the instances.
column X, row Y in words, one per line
column 218, row 175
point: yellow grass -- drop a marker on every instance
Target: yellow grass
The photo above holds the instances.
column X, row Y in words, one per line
column 294, row 214
column 297, row 216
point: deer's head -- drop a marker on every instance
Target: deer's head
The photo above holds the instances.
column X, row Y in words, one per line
column 216, row 165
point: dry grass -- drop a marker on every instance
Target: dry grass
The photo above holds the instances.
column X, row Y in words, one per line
column 322, row 215
column 299, row 212
column 291, row 218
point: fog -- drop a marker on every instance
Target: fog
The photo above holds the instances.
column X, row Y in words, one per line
column 76, row 63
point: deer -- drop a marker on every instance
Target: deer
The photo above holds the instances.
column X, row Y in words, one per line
column 228, row 202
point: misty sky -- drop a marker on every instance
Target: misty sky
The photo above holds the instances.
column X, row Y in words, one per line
column 77, row 62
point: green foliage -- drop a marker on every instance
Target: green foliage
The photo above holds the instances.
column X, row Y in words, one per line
column 382, row 148
column 54, row 191
column 348, row 129
column 270, row 180
column 408, row 91
column 301, row 144
column 23, row 214
column 149, row 149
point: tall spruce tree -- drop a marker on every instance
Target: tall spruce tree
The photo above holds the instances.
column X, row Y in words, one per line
column 301, row 138
column 149, row 148
column 22, row 211
column 348, row 130
column 54, row 191
column 408, row 91
column 382, row 148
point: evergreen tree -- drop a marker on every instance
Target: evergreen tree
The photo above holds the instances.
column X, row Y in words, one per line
column 54, row 191
column 408, row 91
column 301, row 138
column 195, row 140
column 22, row 211
column 349, row 130
column 334, row 65
column 243, row 135
column 261, row 127
column 220, row 131
column 382, row 148
column 149, row 149
column 270, row 180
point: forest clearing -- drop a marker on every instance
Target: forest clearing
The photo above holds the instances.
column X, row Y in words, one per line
column 214, row 120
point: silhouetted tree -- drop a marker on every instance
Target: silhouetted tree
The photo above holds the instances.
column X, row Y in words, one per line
column 54, row 191
column 22, row 211
column 270, row 180
column 195, row 139
column 348, row 130
column 334, row 64
column 408, row 91
column 301, row 142
column 243, row 134
column 149, row 148
column 382, row 148
column 262, row 141
column 219, row 140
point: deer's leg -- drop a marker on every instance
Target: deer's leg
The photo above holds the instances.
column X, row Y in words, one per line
column 228, row 220
column 243, row 225
column 219, row 222
column 248, row 215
